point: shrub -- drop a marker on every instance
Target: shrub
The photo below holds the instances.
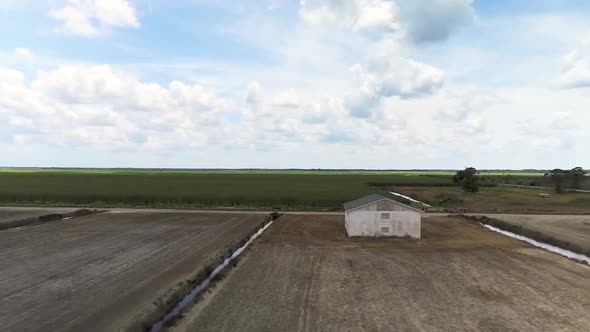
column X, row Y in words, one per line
column 447, row 199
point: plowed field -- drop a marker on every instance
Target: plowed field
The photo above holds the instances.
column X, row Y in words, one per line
column 106, row 272
column 305, row 275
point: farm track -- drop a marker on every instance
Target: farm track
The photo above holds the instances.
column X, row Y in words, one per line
column 107, row 272
column 35, row 210
column 306, row 275
column 546, row 188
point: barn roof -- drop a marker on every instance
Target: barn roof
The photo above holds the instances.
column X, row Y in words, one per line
column 373, row 198
column 362, row 201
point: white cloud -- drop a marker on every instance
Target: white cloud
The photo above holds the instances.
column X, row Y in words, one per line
column 357, row 15
column 392, row 77
column 421, row 21
column 407, row 79
column 177, row 117
column 562, row 121
column 117, row 13
column 254, row 96
column 464, row 102
column 435, row 20
column 23, row 53
column 306, row 108
column 576, row 71
column 287, row 98
column 91, row 18
column 98, row 106
column 383, row 69
column 558, row 131
column 74, row 84
column 8, row 76
column 313, row 113
column 75, row 21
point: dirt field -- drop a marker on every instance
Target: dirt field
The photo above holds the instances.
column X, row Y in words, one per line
column 572, row 229
column 107, row 271
column 500, row 200
column 305, row 275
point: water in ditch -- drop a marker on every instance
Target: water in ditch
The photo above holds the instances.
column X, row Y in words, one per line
column 408, row 198
column 549, row 247
column 198, row 289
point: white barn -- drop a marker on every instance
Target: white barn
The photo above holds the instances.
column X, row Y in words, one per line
column 376, row 216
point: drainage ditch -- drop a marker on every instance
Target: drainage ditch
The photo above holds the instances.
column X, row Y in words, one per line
column 409, row 198
column 563, row 252
column 202, row 285
column 535, row 238
column 46, row 219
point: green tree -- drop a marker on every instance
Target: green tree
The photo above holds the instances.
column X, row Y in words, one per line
column 558, row 178
column 467, row 179
column 577, row 175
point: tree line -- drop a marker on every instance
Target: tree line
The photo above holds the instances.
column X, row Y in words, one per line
column 566, row 178
column 468, row 179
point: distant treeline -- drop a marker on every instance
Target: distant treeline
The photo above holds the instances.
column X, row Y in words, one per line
column 508, row 171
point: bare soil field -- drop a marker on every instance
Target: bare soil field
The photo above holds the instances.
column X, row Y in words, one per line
column 304, row 274
column 572, row 229
column 107, row 272
column 499, row 200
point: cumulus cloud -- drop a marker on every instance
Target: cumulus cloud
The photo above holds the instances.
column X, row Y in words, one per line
column 90, row 18
column 316, row 120
column 99, row 106
column 392, row 77
column 357, row 15
column 428, row 21
column 387, row 71
column 421, row 21
column 576, row 71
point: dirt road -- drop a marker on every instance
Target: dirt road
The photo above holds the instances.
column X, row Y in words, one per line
column 152, row 210
column 106, row 272
column 306, row 275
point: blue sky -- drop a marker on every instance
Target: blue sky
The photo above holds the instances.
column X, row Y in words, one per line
column 281, row 84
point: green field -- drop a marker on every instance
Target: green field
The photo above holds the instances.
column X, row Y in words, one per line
column 495, row 173
column 270, row 189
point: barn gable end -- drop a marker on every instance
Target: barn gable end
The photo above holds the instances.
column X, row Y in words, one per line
column 377, row 202
column 375, row 215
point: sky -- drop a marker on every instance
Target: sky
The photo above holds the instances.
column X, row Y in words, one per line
column 373, row 84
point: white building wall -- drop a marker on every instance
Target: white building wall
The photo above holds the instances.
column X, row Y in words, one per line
column 365, row 222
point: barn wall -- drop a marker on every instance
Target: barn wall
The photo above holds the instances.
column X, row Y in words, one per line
column 369, row 223
column 346, row 222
